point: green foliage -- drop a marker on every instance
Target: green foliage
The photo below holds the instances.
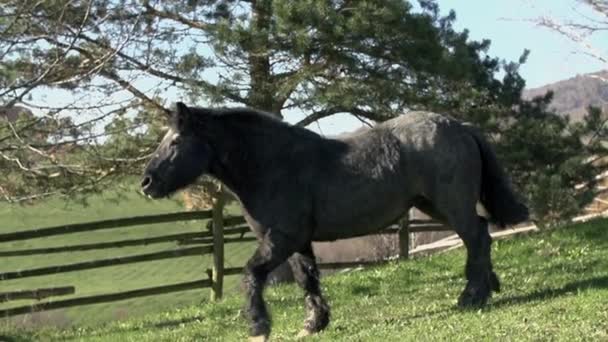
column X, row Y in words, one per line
column 555, row 286
column 380, row 57
column 549, row 158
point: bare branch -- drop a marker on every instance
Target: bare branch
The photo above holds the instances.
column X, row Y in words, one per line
column 579, row 31
column 165, row 75
column 176, row 17
column 357, row 112
column 570, row 32
column 128, row 86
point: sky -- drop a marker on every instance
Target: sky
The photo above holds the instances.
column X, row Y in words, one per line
column 506, row 23
column 552, row 58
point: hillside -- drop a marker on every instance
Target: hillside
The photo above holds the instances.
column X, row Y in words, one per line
column 555, row 287
column 574, row 95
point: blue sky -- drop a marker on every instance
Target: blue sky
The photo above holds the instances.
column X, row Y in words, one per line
column 505, row 22
column 552, row 57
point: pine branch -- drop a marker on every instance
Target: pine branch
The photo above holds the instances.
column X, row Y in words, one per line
column 31, row 84
column 133, row 90
column 165, row 75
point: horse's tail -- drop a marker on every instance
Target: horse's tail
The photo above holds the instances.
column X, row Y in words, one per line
column 497, row 194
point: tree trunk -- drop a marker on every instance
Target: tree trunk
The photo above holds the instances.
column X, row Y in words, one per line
column 261, row 94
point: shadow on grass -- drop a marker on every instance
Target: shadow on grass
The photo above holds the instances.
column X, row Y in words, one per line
column 6, row 338
column 361, row 290
column 598, row 235
column 172, row 323
column 143, row 327
column 9, row 338
column 592, row 283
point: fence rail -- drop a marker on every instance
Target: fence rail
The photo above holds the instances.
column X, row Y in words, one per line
column 37, row 294
column 105, row 298
column 105, row 224
column 178, row 253
column 219, row 231
column 103, row 245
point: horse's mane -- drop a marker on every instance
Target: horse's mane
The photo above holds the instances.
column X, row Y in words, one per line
column 250, row 119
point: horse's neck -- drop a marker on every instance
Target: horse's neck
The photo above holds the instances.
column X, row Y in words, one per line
column 243, row 156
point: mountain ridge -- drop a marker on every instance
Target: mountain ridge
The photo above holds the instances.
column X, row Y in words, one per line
column 574, row 95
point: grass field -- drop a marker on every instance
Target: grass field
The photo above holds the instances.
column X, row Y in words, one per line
column 112, row 204
column 555, row 288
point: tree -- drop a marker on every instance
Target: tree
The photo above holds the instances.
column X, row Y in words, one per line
column 372, row 59
column 553, row 160
column 553, row 197
column 369, row 58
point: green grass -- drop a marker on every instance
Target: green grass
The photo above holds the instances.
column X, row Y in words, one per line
column 112, row 204
column 555, row 288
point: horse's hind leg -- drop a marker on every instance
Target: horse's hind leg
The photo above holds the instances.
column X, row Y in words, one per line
column 306, row 274
column 473, row 230
column 481, row 279
column 273, row 250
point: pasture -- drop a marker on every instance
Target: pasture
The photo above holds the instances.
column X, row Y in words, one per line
column 110, row 204
column 555, row 287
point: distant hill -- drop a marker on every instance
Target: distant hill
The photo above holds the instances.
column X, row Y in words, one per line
column 574, row 95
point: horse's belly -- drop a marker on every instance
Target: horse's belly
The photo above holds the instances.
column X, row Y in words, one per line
column 362, row 195
column 357, row 221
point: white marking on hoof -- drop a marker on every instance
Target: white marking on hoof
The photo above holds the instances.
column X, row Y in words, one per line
column 303, row 333
column 260, row 338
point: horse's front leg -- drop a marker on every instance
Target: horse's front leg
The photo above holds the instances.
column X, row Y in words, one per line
column 273, row 250
column 306, row 274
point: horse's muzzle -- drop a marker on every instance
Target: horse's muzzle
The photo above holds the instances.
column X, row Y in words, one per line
column 149, row 188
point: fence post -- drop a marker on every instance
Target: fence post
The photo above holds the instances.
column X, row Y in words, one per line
column 404, row 237
column 217, row 272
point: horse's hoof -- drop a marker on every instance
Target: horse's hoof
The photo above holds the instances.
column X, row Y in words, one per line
column 472, row 301
column 304, row 333
column 260, row 338
column 494, row 282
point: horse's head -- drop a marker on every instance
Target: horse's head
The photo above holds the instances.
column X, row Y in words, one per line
column 182, row 156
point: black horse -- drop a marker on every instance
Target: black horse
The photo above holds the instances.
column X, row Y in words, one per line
column 296, row 187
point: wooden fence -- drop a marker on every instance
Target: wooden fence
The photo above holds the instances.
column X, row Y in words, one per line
column 219, row 231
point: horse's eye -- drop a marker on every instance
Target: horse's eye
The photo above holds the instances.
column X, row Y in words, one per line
column 175, row 142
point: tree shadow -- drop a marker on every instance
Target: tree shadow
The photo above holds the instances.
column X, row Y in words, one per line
column 596, row 283
column 569, row 266
column 438, row 313
column 6, row 338
column 434, row 313
column 173, row 323
column 143, row 327
column 361, row 290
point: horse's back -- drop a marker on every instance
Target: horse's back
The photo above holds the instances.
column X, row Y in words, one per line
column 442, row 157
column 419, row 128
column 439, row 147
column 387, row 167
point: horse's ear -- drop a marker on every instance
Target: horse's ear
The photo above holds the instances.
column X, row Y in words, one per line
column 183, row 116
